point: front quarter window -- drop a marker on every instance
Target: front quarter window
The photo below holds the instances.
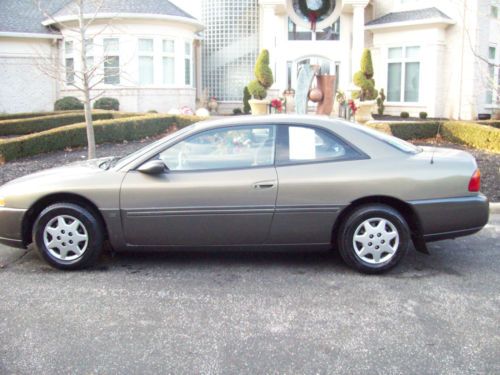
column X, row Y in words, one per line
column 226, row 148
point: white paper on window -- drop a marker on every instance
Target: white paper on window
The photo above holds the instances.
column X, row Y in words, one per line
column 302, row 143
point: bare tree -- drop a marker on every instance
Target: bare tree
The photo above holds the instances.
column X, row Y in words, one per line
column 88, row 76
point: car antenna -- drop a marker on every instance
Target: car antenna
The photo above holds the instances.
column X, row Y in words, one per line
column 438, row 133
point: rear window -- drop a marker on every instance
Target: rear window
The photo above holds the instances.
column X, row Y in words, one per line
column 386, row 138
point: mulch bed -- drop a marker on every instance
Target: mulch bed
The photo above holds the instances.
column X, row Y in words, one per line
column 489, row 163
column 401, row 119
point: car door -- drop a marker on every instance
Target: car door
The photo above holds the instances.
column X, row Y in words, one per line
column 315, row 170
column 220, row 189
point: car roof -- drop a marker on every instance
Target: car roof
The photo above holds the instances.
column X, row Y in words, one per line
column 323, row 121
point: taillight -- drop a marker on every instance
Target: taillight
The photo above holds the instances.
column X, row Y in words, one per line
column 475, row 181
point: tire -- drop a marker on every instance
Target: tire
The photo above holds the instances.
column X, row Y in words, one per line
column 383, row 234
column 68, row 236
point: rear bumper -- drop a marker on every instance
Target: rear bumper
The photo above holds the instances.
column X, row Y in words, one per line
column 451, row 217
column 11, row 220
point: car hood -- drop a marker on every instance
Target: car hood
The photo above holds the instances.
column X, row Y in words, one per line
column 73, row 170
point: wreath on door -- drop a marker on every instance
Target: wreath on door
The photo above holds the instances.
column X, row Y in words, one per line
column 314, row 14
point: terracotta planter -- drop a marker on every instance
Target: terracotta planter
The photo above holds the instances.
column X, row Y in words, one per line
column 364, row 112
column 259, row 107
column 326, row 84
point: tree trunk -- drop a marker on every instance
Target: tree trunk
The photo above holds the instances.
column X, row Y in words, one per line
column 86, row 85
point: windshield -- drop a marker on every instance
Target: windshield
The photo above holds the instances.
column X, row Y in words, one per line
column 125, row 160
column 393, row 141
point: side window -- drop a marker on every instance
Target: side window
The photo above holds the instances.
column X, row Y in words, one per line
column 227, row 148
column 303, row 144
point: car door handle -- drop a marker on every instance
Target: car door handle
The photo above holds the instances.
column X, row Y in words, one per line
column 264, row 185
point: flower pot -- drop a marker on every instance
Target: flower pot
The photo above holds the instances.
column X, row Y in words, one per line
column 259, row 107
column 364, row 112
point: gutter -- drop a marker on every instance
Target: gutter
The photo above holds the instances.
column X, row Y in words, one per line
column 10, row 34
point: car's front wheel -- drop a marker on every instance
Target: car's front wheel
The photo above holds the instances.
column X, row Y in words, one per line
column 373, row 238
column 68, row 236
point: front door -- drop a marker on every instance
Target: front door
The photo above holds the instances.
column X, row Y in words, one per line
column 220, row 189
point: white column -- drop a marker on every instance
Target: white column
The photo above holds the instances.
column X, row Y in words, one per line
column 358, row 35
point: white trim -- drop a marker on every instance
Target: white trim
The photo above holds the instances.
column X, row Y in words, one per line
column 404, row 24
column 163, row 17
column 30, row 35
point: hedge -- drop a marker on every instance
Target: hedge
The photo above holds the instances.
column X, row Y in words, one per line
column 116, row 130
column 494, row 123
column 467, row 133
column 38, row 124
column 472, row 134
column 15, row 116
column 408, row 130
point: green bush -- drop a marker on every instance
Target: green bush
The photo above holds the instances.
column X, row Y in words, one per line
column 15, row 116
column 38, row 124
column 263, row 72
column 494, row 123
column 257, row 90
column 380, row 102
column 404, row 115
column 108, row 104
column 408, row 130
column 472, row 134
column 246, row 97
column 264, row 77
column 237, row 111
column 115, row 130
column 423, row 115
column 364, row 78
column 68, row 103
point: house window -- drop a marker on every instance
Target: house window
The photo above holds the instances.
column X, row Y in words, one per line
column 146, row 61
column 89, row 53
column 69, row 62
column 490, row 84
column 188, row 63
column 298, row 32
column 168, row 62
column 403, row 77
column 111, row 61
column 494, row 11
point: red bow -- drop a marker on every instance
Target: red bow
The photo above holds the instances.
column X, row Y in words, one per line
column 313, row 18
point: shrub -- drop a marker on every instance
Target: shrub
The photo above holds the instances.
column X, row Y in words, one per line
column 380, row 102
column 257, row 90
column 152, row 111
column 38, row 124
column 246, row 97
column 404, row 115
column 264, row 77
column 471, row 134
column 263, row 72
column 68, row 103
column 108, row 104
column 423, row 115
column 364, row 78
column 408, row 130
column 237, row 111
column 494, row 123
column 15, row 116
column 115, row 130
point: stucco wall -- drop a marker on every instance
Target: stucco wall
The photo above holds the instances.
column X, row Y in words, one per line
column 23, row 86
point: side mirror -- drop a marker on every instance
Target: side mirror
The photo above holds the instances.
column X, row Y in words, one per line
column 153, row 167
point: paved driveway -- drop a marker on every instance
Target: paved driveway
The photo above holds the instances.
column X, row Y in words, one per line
column 255, row 312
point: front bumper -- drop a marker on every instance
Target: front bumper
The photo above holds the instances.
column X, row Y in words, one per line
column 452, row 217
column 11, row 220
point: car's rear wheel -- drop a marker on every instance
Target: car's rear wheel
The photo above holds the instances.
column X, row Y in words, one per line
column 374, row 238
column 68, row 236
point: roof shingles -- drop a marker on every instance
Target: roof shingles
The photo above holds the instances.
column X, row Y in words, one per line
column 410, row 15
column 24, row 16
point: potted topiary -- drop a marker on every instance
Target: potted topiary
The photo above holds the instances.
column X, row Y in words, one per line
column 258, row 87
column 367, row 93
